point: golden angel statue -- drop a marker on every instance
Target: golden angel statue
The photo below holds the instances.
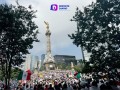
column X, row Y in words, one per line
column 47, row 24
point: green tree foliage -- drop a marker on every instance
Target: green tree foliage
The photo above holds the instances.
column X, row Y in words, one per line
column 17, row 33
column 68, row 67
column 63, row 66
column 99, row 33
column 81, row 67
column 77, row 68
column 87, row 68
column 14, row 73
column 1, row 75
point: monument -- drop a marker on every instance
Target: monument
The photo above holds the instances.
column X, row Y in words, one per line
column 72, row 66
column 49, row 61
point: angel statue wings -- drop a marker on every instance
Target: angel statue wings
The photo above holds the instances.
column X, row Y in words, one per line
column 47, row 24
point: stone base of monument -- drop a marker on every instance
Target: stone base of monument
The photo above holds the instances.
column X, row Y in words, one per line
column 49, row 62
column 49, row 66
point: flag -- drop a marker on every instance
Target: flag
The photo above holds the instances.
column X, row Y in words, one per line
column 28, row 74
column 24, row 75
column 78, row 76
column 75, row 73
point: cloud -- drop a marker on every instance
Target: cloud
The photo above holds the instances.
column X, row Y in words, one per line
column 59, row 22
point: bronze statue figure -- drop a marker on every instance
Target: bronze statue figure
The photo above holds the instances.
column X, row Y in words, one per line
column 47, row 24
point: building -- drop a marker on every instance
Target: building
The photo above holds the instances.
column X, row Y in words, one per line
column 26, row 65
column 66, row 59
column 31, row 62
column 34, row 62
column 39, row 65
column 42, row 58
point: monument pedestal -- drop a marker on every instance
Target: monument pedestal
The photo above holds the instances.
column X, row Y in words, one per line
column 49, row 66
column 49, row 62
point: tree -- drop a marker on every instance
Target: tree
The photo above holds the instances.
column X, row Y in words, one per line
column 1, row 74
column 99, row 33
column 17, row 33
column 68, row 67
column 83, row 67
column 63, row 66
column 87, row 68
column 77, row 68
column 14, row 73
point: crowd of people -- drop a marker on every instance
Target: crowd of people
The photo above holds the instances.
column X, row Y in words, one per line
column 93, row 85
column 60, row 80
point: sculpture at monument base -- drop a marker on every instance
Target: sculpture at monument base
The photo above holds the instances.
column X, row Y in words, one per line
column 49, row 61
column 49, row 66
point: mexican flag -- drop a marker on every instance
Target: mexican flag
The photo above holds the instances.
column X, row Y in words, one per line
column 24, row 75
column 77, row 75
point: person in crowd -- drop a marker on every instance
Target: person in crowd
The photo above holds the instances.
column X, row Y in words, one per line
column 51, row 88
column 27, row 87
column 60, row 86
column 65, row 86
column 46, row 87
column 69, row 87
column 20, row 87
column 113, row 85
column 94, row 86
column 24, row 86
column 108, row 87
column 103, row 87
column 40, row 87
column 84, row 87
column 56, row 86
column 35, row 87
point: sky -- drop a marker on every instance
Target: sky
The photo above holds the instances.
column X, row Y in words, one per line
column 59, row 25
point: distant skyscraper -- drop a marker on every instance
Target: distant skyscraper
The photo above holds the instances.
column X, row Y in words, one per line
column 31, row 62
column 34, row 62
column 39, row 65
column 26, row 65
column 42, row 58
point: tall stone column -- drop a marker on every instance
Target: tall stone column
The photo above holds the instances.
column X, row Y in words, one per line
column 48, row 33
column 49, row 60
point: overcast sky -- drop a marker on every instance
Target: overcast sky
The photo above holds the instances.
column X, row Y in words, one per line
column 59, row 22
